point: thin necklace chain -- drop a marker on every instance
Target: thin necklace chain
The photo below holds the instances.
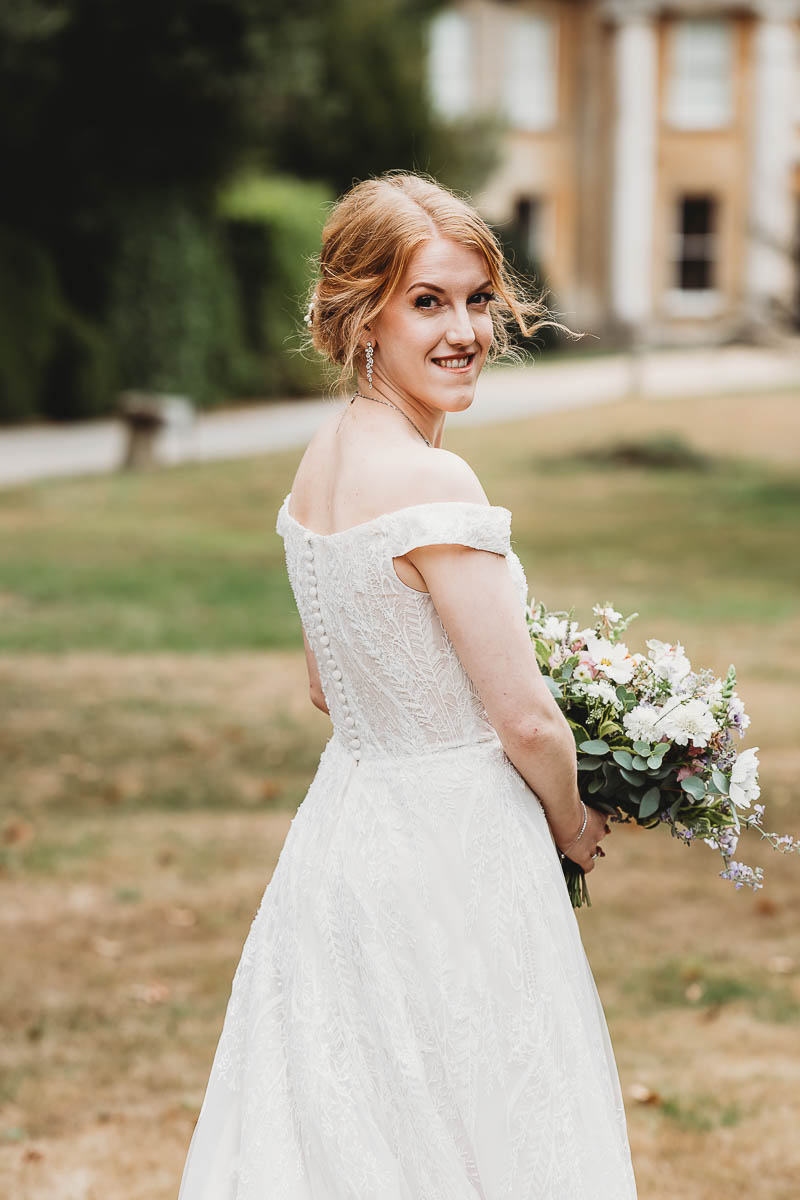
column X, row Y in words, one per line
column 380, row 400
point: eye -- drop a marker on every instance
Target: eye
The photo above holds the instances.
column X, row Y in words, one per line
column 420, row 301
column 482, row 297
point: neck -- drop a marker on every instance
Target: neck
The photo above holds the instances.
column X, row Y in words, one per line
column 429, row 421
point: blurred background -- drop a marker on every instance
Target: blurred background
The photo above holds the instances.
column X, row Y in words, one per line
column 167, row 170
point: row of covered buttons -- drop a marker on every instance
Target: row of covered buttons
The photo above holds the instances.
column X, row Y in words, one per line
column 324, row 641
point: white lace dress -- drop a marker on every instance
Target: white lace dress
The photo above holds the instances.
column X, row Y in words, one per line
column 413, row 1016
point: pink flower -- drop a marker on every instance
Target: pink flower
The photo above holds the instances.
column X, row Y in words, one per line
column 685, row 772
column 585, row 659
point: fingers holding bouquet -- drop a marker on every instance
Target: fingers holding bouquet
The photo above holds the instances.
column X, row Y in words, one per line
column 585, row 849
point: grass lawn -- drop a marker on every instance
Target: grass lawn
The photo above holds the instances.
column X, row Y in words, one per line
column 156, row 738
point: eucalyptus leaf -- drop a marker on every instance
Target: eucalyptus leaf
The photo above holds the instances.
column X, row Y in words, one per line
column 623, row 758
column 554, row 688
column 597, row 746
column 641, row 747
column 694, row 786
column 650, row 802
column 630, row 776
column 588, row 762
column 720, row 781
column 639, row 763
column 595, row 785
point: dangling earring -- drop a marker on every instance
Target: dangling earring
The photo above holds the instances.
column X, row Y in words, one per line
column 369, row 353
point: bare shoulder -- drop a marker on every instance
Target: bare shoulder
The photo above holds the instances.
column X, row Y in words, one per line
column 443, row 475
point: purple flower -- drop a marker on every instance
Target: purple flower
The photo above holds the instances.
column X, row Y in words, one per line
column 742, row 875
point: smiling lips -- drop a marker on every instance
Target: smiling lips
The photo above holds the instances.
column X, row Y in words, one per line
column 455, row 363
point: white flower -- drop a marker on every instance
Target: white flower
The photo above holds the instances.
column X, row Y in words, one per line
column 612, row 658
column 669, row 661
column 744, row 778
column 688, row 719
column 736, row 712
column 603, row 691
column 640, row 723
column 607, row 612
column 582, row 673
column 555, row 629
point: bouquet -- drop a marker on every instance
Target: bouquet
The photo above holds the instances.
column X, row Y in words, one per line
column 656, row 740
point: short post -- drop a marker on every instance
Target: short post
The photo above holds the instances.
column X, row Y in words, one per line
column 146, row 415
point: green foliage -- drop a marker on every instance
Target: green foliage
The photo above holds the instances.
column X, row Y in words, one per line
column 650, row 802
column 694, row 785
column 173, row 309
column 80, row 377
column 273, row 227
column 595, row 746
column 349, row 96
column 29, row 311
column 114, row 97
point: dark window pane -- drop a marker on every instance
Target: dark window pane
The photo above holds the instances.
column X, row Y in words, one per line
column 694, row 275
column 695, row 266
column 697, row 214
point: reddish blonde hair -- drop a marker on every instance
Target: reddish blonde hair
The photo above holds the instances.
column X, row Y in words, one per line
column 367, row 241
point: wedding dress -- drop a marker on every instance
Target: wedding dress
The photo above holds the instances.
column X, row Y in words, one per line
column 413, row 1016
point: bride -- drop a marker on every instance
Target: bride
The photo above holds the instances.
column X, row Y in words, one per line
column 413, row 1016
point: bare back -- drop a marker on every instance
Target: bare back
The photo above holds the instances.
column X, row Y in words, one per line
column 358, row 466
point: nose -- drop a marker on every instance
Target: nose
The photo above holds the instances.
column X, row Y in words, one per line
column 461, row 332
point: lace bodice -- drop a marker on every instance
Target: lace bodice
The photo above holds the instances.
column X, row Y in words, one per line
column 390, row 675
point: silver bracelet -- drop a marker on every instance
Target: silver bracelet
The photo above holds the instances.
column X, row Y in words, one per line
column 580, row 835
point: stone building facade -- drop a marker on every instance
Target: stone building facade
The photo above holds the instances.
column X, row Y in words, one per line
column 650, row 154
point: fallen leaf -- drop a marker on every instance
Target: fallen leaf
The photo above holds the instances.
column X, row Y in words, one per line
column 643, row 1094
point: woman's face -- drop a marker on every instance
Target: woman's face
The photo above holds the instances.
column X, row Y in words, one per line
column 431, row 339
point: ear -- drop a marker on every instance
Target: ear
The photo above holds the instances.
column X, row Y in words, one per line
column 367, row 336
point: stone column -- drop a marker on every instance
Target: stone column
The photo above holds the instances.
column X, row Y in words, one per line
column 770, row 272
column 635, row 65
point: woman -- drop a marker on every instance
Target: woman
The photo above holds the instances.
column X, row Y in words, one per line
column 413, row 1015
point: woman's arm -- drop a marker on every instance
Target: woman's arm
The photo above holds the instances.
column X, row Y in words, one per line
column 478, row 604
column 314, row 685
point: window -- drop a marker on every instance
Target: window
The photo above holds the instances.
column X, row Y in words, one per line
column 528, row 227
column 700, row 74
column 529, row 78
column 695, row 259
column 450, row 67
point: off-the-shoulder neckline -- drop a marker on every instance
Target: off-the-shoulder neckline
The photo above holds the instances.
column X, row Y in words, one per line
column 391, row 513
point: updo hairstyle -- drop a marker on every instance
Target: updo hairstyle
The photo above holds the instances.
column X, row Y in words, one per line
column 367, row 241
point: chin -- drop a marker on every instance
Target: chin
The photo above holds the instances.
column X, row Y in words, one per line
column 457, row 401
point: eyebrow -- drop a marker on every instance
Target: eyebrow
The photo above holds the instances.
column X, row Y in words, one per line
column 431, row 287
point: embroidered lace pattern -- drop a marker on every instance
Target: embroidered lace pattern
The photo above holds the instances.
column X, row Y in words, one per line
column 413, row 1016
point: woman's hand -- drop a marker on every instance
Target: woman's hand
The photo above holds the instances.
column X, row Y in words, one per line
column 581, row 851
